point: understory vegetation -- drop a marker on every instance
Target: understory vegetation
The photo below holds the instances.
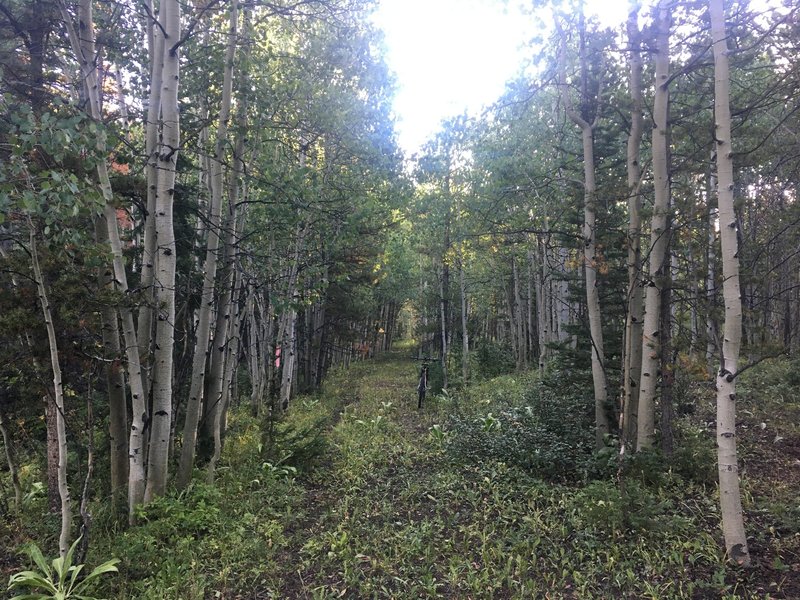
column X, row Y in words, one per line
column 488, row 492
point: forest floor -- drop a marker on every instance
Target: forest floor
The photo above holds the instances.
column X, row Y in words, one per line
column 390, row 514
column 383, row 505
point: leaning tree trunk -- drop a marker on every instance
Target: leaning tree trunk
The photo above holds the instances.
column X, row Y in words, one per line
column 730, row 496
column 58, row 398
column 160, row 420
column 632, row 367
column 659, row 238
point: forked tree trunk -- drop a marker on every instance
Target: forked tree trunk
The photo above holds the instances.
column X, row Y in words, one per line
column 160, row 420
column 730, row 496
column 144, row 331
column 659, row 237
column 83, row 47
column 632, row 367
column 58, row 399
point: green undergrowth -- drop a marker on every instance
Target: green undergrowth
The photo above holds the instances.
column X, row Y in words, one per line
column 393, row 502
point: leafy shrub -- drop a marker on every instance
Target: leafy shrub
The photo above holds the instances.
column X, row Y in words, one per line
column 551, row 436
column 59, row 580
column 494, row 359
column 605, row 507
column 293, row 444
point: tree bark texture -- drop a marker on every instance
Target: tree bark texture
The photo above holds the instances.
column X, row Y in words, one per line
column 658, row 270
column 590, row 257
column 632, row 367
column 209, row 271
column 58, row 399
column 730, row 495
column 160, row 420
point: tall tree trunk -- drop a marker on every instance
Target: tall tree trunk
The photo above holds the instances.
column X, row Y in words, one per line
column 659, row 237
column 201, row 349
column 58, row 398
column 115, row 384
column 632, row 367
column 83, row 47
column 730, row 496
column 590, row 258
column 160, row 420
column 147, row 311
column 712, row 328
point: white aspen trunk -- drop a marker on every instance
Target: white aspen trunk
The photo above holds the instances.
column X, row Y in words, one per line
column 590, row 258
column 84, row 50
column 659, row 238
column 58, row 399
column 254, row 358
column 122, row 103
column 155, row 44
column 712, row 332
column 632, row 366
column 202, row 334
column 532, row 325
column 593, row 295
column 289, row 341
column 228, row 321
column 231, row 363
column 562, row 298
column 160, row 420
column 730, row 496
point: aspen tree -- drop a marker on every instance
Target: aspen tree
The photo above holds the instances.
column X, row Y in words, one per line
column 202, row 334
column 83, row 47
column 160, row 419
column 658, row 270
column 730, row 495
column 586, row 121
column 633, row 325
column 58, row 397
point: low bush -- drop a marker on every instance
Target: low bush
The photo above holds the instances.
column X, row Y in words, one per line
column 550, row 435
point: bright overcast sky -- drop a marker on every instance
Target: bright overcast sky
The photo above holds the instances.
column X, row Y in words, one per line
column 452, row 56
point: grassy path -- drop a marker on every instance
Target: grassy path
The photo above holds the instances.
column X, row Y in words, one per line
column 361, row 506
column 387, row 513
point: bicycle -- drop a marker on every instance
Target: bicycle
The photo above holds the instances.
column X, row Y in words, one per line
column 422, row 386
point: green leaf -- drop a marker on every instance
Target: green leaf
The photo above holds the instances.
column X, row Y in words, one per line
column 37, row 557
column 31, row 579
